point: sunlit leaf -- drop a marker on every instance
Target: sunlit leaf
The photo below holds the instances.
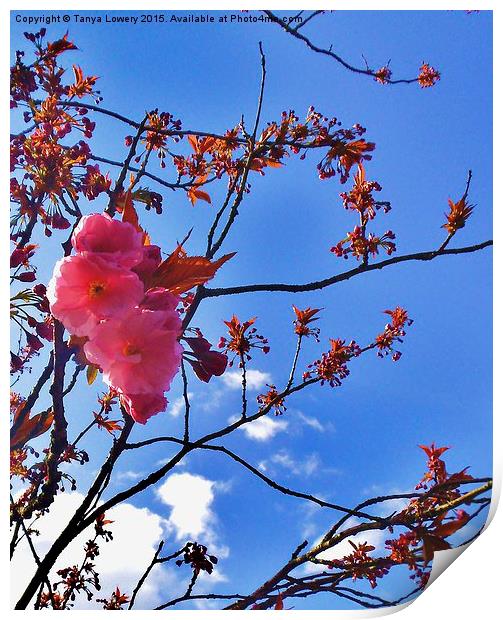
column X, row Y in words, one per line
column 91, row 373
column 179, row 272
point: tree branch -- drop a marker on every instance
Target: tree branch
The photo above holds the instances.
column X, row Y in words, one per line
column 286, row 490
column 328, row 52
column 346, row 275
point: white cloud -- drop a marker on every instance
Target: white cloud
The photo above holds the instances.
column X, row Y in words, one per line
column 305, row 467
column 178, row 405
column 136, row 532
column 130, row 475
column 136, row 535
column 263, row 428
column 310, row 421
column 255, row 379
column 191, row 497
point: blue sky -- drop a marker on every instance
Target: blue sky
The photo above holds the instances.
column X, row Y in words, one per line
column 361, row 439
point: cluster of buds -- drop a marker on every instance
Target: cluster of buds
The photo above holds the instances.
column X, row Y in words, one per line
column 428, row 76
column 79, row 579
column 303, row 320
column 360, row 199
column 151, row 199
column 242, row 338
column 457, row 216
column 383, row 75
column 53, row 174
column 393, row 332
column 273, row 400
column 429, row 535
column 197, row 557
column 160, row 126
column 360, row 564
column 94, row 182
column 357, row 244
column 102, row 418
column 214, row 156
column 345, row 156
column 116, row 600
column 415, row 547
column 332, row 366
column 20, row 262
column 29, row 309
column 403, row 550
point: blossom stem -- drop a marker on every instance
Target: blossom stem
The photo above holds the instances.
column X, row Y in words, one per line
column 294, row 364
column 243, row 387
column 187, row 403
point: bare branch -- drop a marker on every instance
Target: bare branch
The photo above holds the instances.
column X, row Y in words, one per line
column 346, row 275
column 286, row 490
column 145, row 575
column 119, row 186
column 195, row 597
column 251, row 155
column 328, row 52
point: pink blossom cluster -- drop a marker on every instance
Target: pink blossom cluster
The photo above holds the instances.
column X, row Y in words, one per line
column 132, row 333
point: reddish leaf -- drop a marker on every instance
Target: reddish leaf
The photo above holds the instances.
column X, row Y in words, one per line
column 195, row 194
column 201, row 145
column 179, row 272
column 449, row 528
column 25, row 428
column 193, row 142
column 125, row 204
column 77, row 344
column 432, row 451
column 431, row 544
column 109, row 425
column 60, row 46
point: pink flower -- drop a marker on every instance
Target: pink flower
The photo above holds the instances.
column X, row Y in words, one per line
column 150, row 261
column 118, row 242
column 159, row 299
column 138, row 353
column 141, row 407
column 84, row 291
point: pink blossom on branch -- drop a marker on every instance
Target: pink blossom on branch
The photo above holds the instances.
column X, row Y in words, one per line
column 160, row 299
column 85, row 290
column 141, row 407
column 104, row 237
column 139, row 353
column 151, row 259
column 132, row 331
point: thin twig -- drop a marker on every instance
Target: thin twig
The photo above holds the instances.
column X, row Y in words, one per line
column 251, row 155
column 194, row 597
column 145, row 575
column 328, row 52
column 294, row 364
column 286, row 491
column 243, row 387
column 119, row 186
column 187, row 404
